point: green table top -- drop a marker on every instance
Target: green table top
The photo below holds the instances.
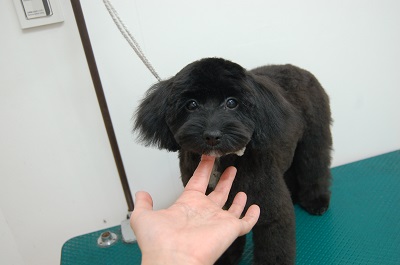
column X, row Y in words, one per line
column 362, row 225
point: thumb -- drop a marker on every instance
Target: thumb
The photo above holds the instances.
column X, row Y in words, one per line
column 143, row 202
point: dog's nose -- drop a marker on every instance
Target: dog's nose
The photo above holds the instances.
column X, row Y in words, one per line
column 212, row 137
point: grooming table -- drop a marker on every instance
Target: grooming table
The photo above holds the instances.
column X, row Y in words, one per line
column 362, row 225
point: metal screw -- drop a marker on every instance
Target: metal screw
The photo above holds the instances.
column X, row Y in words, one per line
column 107, row 239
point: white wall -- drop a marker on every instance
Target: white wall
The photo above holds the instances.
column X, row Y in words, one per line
column 350, row 46
column 57, row 174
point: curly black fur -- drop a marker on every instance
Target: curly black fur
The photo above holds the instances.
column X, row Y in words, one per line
column 279, row 114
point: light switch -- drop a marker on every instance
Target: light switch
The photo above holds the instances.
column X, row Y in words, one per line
column 36, row 8
column 33, row 13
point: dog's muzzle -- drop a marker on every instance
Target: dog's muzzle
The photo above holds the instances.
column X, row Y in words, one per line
column 212, row 138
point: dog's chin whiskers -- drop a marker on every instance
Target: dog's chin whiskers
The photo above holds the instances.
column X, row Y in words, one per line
column 219, row 154
column 213, row 153
column 240, row 152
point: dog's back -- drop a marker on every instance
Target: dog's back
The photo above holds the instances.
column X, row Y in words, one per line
column 301, row 89
column 297, row 82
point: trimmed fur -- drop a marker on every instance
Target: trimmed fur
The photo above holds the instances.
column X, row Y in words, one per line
column 279, row 113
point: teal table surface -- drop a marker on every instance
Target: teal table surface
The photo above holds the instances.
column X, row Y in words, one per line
column 362, row 225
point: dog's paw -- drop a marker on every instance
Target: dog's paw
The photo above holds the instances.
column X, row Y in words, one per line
column 316, row 206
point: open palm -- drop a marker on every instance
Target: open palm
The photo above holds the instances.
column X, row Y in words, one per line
column 195, row 229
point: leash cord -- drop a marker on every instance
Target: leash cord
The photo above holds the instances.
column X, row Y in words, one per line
column 129, row 38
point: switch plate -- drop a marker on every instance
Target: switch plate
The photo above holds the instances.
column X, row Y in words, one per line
column 36, row 8
column 33, row 13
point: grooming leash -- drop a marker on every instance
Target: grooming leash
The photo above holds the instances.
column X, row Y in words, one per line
column 129, row 38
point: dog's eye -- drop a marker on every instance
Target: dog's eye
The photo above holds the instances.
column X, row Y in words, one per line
column 192, row 105
column 231, row 103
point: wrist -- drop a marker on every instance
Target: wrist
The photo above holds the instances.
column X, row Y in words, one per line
column 170, row 258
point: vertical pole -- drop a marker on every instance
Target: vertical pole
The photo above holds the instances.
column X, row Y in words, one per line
column 80, row 21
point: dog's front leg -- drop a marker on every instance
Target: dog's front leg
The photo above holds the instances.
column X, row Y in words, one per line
column 274, row 235
column 233, row 254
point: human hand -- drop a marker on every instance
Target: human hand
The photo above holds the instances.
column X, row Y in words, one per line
column 195, row 229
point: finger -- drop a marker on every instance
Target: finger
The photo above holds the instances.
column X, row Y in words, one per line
column 238, row 204
column 221, row 191
column 250, row 219
column 201, row 176
column 143, row 201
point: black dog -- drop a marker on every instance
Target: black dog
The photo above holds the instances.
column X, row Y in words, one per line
column 272, row 123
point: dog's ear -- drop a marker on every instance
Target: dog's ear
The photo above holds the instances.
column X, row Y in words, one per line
column 274, row 114
column 150, row 118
